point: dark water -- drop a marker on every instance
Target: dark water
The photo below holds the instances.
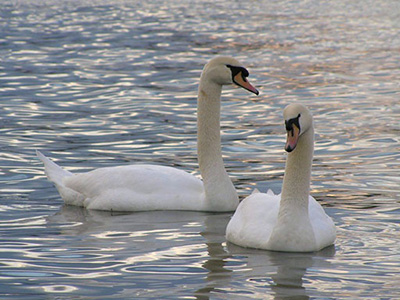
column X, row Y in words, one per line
column 103, row 83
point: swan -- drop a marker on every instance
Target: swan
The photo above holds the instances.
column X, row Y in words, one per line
column 153, row 187
column 292, row 221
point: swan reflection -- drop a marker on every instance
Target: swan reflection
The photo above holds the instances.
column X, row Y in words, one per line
column 283, row 272
column 184, row 252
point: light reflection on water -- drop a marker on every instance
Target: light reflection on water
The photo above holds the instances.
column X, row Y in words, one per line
column 114, row 82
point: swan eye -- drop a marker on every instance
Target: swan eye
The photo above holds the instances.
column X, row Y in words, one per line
column 236, row 70
column 294, row 121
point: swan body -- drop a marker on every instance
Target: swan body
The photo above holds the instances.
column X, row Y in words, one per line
column 154, row 187
column 292, row 221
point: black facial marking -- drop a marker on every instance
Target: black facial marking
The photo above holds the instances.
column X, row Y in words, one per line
column 236, row 70
column 289, row 124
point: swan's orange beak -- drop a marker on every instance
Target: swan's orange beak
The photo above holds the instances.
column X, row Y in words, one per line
column 241, row 81
column 292, row 138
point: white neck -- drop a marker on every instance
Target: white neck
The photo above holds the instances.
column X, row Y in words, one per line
column 293, row 229
column 296, row 181
column 220, row 192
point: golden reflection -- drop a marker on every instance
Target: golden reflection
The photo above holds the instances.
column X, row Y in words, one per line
column 105, row 91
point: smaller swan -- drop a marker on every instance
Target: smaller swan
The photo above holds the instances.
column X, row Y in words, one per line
column 153, row 187
column 292, row 221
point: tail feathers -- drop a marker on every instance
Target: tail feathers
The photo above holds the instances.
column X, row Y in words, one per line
column 56, row 174
column 53, row 171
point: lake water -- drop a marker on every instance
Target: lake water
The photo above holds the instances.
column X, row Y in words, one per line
column 103, row 83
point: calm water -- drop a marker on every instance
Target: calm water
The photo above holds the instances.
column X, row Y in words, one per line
column 107, row 83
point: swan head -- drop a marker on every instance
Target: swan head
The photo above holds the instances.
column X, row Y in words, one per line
column 298, row 120
column 225, row 70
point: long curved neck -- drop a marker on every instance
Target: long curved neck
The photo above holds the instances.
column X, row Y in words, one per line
column 220, row 192
column 296, row 181
column 293, row 228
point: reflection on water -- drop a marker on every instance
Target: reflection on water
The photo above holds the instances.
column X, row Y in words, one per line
column 162, row 254
column 284, row 273
column 107, row 82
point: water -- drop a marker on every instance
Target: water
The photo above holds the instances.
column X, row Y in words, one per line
column 104, row 83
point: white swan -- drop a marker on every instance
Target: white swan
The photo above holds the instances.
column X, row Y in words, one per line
column 153, row 187
column 292, row 221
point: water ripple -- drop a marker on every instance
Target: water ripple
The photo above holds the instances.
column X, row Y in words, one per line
column 108, row 82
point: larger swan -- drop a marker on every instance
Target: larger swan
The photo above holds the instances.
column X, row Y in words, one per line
column 292, row 221
column 154, row 187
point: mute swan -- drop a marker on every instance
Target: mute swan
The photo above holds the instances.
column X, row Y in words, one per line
column 153, row 187
column 292, row 221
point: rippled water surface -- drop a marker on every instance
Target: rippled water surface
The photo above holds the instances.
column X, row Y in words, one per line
column 104, row 83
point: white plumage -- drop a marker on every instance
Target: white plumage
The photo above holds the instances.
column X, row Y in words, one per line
column 154, row 187
column 292, row 221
